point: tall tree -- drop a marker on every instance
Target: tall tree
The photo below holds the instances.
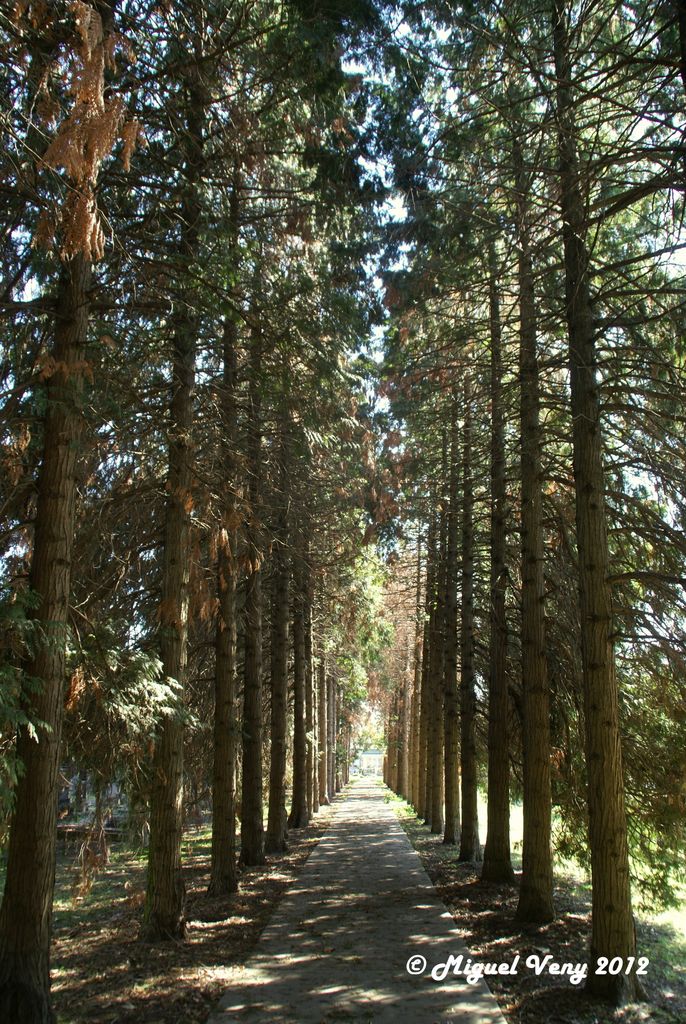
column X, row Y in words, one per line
column 223, row 874
column 165, row 896
column 299, row 816
column 452, row 696
column 536, row 887
column 26, row 912
column 470, row 848
column 497, row 866
column 252, row 825
column 613, row 932
column 277, row 826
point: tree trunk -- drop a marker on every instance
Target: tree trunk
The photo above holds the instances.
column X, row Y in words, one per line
column 322, row 723
column 423, row 773
column 436, row 673
column 26, row 912
column 252, row 825
column 165, row 897
column 331, row 720
column 613, row 932
column 164, row 909
column 299, row 816
column 336, row 738
column 348, row 747
column 470, row 849
column 223, row 873
column 417, row 682
column 452, row 705
column 497, row 866
column 315, row 740
column 392, row 734
column 536, row 887
column 404, row 726
column 277, row 822
column 309, row 690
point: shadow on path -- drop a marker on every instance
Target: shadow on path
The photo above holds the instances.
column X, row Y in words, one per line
column 338, row 945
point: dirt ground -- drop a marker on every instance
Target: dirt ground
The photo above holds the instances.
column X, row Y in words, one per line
column 102, row 974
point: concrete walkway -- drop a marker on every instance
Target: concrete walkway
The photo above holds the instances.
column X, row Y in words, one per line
column 339, row 942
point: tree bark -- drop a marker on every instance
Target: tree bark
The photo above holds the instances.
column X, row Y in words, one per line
column 436, row 673
column 26, row 912
column 348, row 747
column 416, row 686
column 299, row 816
column 452, row 704
column 404, row 726
column 613, row 933
column 423, row 775
column 277, row 821
column 309, row 689
column 331, row 725
column 164, row 909
column 497, row 866
column 315, row 739
column 252, row 825
column 223, row 871
column 334, row 734
column 322, row 723
column 536, row 887
column 165, row 898
column 470, row 849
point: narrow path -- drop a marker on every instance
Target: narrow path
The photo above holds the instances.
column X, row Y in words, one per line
column 338, row 945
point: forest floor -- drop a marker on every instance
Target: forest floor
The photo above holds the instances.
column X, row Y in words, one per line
column 484, row 915
column 102, row 974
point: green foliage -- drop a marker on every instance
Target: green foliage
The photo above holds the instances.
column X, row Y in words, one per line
column 115, row 700
column 18, row 635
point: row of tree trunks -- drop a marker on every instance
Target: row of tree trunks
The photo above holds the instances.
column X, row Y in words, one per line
column 443, row 650
column 430, row 717
column 441, row 719
column 310, row 776
column 613, row 933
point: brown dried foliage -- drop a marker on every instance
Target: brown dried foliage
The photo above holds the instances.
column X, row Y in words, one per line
column 85, row 137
